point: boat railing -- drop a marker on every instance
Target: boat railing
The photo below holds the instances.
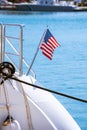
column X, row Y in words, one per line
column 11, row 47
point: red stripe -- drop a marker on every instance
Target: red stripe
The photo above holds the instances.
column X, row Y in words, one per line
column 51, row 43
column 55, row 42
column 45, row 49
column 47, row 46
column 47, row 55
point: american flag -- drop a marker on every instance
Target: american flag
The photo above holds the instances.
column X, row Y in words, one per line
column 48, row 44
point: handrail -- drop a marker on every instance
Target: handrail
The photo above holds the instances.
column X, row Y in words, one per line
column 6, row 40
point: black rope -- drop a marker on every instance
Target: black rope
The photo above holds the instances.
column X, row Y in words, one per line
column 49, row 90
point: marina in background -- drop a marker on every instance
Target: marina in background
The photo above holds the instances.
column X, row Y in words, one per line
column 44, row 5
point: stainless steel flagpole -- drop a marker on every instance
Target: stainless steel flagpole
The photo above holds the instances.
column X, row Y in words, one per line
column 37, row 50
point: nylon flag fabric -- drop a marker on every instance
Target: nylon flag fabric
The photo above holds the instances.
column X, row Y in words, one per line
column 48, row 44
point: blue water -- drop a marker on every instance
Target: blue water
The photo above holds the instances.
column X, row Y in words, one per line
column 67, row 72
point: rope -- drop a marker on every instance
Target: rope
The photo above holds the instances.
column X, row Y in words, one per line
column 7, row 104
column 27, row 110
column 49, row 90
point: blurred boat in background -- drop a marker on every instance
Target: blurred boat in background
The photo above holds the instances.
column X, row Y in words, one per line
column 43, row 5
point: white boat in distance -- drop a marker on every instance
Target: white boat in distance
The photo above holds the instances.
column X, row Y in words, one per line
column 42, row 6
column 23, row 107
column 45, row 7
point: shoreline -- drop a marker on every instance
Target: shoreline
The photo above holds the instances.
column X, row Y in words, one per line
column 43, row 8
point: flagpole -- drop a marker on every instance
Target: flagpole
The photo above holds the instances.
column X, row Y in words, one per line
column 37, row 50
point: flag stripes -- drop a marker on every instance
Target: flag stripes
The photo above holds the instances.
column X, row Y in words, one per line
column 48, row 44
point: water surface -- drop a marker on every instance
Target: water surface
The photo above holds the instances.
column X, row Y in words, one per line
column 67, row 72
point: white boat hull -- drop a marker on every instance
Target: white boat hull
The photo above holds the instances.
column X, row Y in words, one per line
column 39, row 110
